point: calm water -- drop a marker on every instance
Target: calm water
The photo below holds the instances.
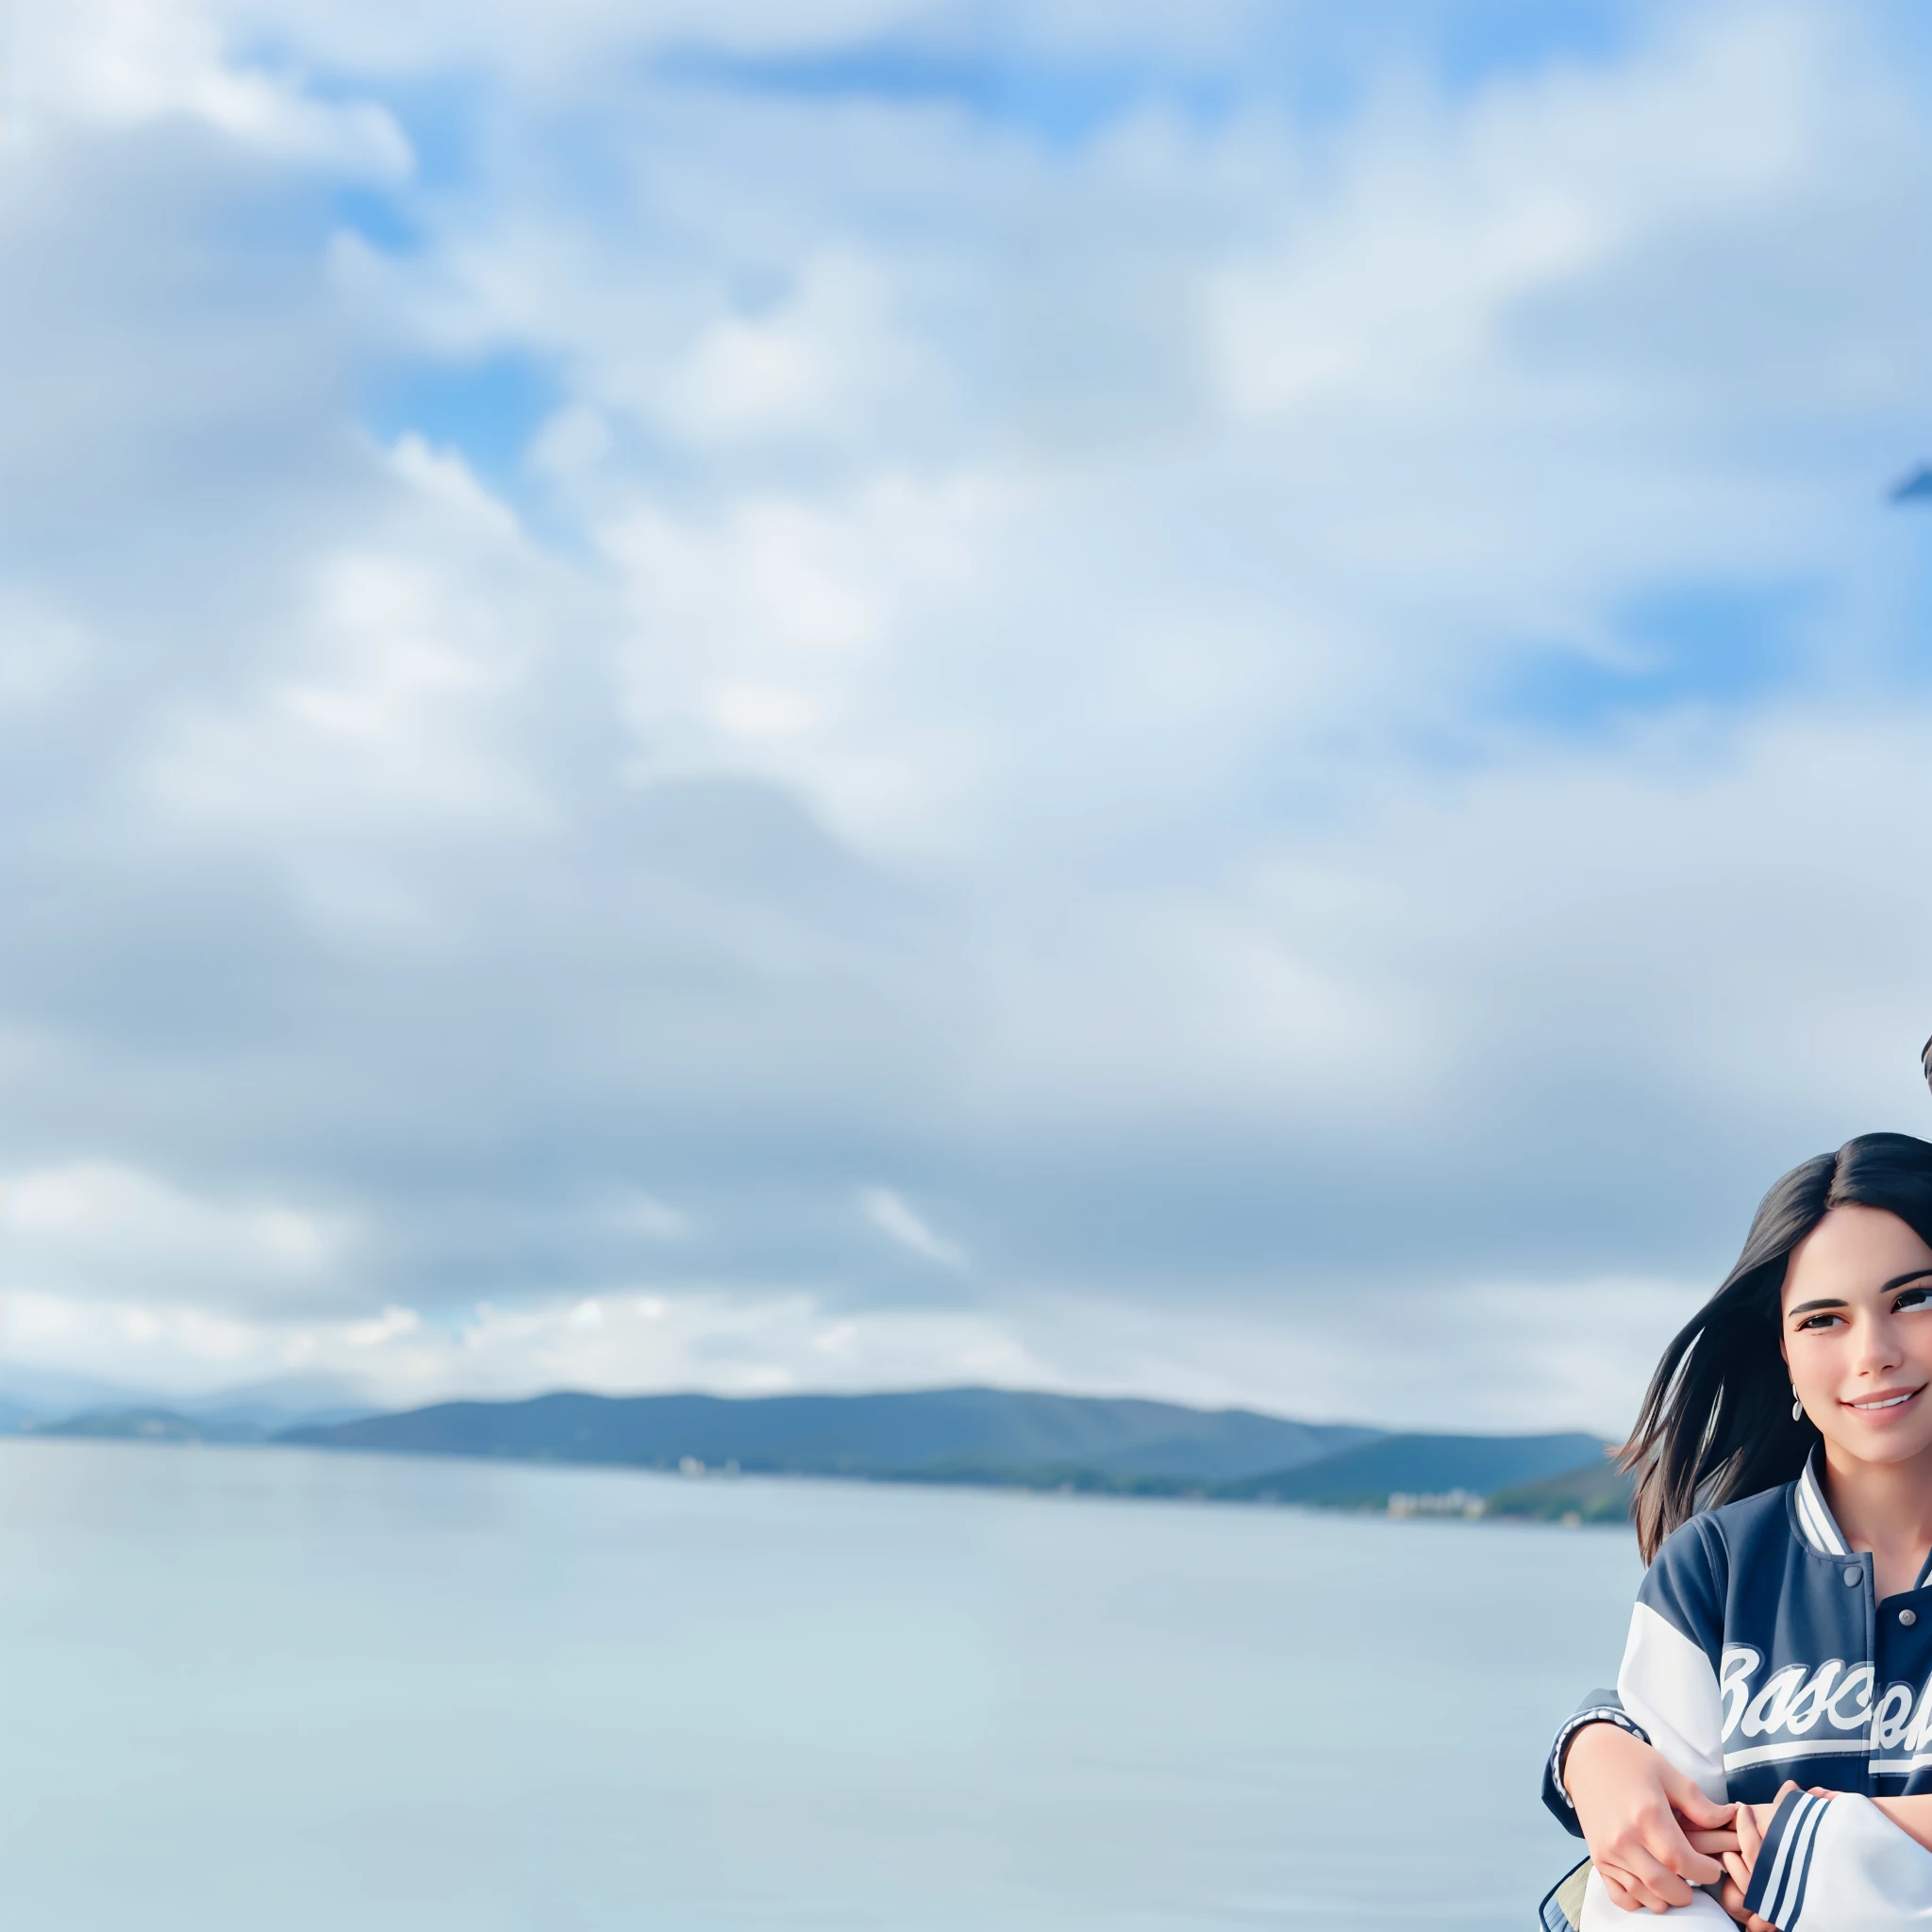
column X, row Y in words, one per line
column 279, row 1691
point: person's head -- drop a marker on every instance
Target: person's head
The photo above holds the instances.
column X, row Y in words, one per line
column 1832, row 1295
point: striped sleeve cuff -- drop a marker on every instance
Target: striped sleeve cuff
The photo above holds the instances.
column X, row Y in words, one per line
column 1589, row 1714
column 1777, row 1891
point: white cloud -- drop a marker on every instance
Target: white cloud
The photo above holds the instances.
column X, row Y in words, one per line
column 639, row 1212
column 121, row 64
column 991, row 648
column 897, row 1219
column 620, row 1341
column 92, row 1228
column 1451, row 1353
column 43, row 652
column 828, row 363
column 1512, row 1354
column 389, row 1325
column 392, row 704
column 776, row 646
column 1449, row 220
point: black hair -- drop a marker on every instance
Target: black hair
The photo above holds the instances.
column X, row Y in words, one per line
column 1716, row 1422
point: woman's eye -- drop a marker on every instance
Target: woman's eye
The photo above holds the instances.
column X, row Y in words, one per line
column 1912, row 1298
column 1819, row 1321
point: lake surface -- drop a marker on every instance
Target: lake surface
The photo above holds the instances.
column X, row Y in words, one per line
column 279, row 1691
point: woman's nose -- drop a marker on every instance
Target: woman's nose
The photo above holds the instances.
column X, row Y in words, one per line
column 1879, row 1348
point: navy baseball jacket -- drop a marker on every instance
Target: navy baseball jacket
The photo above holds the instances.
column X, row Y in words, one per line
column 1758, row 1652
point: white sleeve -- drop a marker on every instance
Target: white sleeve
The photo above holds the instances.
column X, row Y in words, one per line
column 1667, row 1686
column 1839, row 1865
column 1600, row 1914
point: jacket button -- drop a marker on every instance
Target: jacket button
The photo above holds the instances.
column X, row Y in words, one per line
column 1908, row 1617
column 1854, row 1575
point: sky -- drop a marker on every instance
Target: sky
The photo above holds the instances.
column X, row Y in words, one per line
column 1219, row 701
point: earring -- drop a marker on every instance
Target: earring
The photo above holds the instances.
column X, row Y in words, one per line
column 1797, row 1407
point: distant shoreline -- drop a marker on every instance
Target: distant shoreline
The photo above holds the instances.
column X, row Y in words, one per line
column 1366, row 1510
column 1004, row 1440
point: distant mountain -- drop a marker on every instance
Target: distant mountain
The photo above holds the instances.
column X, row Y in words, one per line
column 980, row 1437
column 287, row 1402
column 939, row 1431
column 1369, row 1473
column 149, row 1426
column 16, row 1418
column 1597, row 1493
column 48, row 1403
column 977, row 1436
column 28, row 1394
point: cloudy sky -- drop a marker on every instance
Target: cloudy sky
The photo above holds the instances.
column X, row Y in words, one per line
column 1218, row 701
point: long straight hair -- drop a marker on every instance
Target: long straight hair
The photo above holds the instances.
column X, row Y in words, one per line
column 1716, row 1422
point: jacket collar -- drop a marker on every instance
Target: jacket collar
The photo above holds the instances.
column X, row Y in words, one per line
column 1816, row 1524
column 1819, row 1526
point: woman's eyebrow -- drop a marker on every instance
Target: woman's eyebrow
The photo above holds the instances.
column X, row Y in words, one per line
column 1839, row 1301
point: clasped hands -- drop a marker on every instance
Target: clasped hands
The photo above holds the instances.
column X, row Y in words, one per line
column 1653, row 1835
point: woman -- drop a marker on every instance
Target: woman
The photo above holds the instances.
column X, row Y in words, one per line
column 1771, row 1733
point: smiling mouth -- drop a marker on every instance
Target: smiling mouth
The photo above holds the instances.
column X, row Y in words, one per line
column 1885, row 1402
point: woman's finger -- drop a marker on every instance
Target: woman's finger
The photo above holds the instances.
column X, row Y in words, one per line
column 1655, row 1879
column 1661, row 1834
column 1713, row 1844
column 1630, row 1897
column 1690, row 1803
column 1691, row 1863
column 1624, row 1897
column 1750, row 1839
column 1732, row 1899
column 1645, row 1882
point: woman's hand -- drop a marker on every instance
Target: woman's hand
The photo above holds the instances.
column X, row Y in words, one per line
column 1634, row 1806
column 1751, row 1824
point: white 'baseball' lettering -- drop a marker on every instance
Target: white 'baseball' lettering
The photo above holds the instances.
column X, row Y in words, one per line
column 1922, row 1721
column 1860, row 1679
column 1792, row 1701
column 1734, row 1670
column 1806, row 1708
column 1770, row 1708
column 1889, row 1722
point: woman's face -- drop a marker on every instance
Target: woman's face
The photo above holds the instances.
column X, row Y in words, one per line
column 1856, row 1321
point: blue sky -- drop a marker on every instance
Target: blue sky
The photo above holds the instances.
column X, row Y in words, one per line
column 1220, row 701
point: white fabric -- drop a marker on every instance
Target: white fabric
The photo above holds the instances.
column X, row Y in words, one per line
column 1667, row 1686
column 1601, row 1915
column 1865, row 1875
column 1666, row 1683
column 1814, row 1512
